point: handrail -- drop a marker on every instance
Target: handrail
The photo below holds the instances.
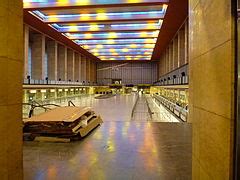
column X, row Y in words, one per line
column 36, row 104
column 134, row 106
column 183, row 113
column 149, row 109
column 71, row 103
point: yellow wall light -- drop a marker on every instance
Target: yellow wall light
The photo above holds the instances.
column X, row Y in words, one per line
column 94, row 27
column 102, row 16
column 73, row 28
column 133, row 46
column 143, row 34
column 149, row 45
column 112, row 35
column 110, row 41
column 84, row 17
column 88, row 35
column 63, row 2
column 99, row 46
column 86, row 47
column 149, row 41
column 52, row 18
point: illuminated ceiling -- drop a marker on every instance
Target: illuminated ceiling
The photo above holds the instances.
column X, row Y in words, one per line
column 109, row 29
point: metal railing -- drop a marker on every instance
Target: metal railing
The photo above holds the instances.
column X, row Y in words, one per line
column 178, row 111
column 53, row 82
column 135, row 104
column 148, row 107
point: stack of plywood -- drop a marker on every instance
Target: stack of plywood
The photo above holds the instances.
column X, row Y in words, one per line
column 62, row 122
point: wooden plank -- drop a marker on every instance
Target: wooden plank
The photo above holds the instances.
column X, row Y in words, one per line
column 64, row 114
column 51, row 139
column 92, row 124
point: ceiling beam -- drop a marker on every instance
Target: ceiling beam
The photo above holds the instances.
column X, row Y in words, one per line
column 110, row 30
column 114, row 38
column 49, row 6
column 54, row 34
column 175, row 16
column 61, row 21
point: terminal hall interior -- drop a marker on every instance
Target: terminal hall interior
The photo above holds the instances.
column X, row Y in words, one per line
column 119, row 90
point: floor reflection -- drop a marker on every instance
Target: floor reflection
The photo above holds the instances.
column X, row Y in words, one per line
column 116, row 150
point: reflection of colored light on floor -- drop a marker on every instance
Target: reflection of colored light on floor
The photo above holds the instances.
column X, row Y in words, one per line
column 112, row 50
column 84, row 172
column 110, row 146
column 52, row 172
column 98, row 135
column 125, row 50
column 93, row 157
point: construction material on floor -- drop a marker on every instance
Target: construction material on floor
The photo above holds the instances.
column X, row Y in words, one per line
column 62, row 122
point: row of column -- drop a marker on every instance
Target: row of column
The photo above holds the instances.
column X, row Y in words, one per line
column 176, row 54
column 46, row 58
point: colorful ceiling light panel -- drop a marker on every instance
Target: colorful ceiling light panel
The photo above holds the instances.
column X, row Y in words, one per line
column 110, row 30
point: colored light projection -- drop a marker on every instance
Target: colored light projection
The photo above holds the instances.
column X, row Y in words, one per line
column 110, row 30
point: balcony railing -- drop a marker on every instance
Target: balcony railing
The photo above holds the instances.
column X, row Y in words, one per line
column 53, row 82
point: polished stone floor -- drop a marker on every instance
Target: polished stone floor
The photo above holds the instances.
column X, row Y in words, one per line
column 115, row 150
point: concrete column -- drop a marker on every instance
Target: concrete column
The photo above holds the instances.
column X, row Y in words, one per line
column 70, row 64
column 26, row 46
column 11, row 73
column 171, row 57
column 52, row 53
column 167, row 60
column 186, row 42
column 175, row 53
column 88, row 61
column 181, row 46
column 94, row 72
column 211, row 88
column 83, row 69
column 80, row 67
column 62, row 63
column 77, row 66
column 38, row 57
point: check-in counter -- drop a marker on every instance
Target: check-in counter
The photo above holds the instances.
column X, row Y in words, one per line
column 178, row 111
